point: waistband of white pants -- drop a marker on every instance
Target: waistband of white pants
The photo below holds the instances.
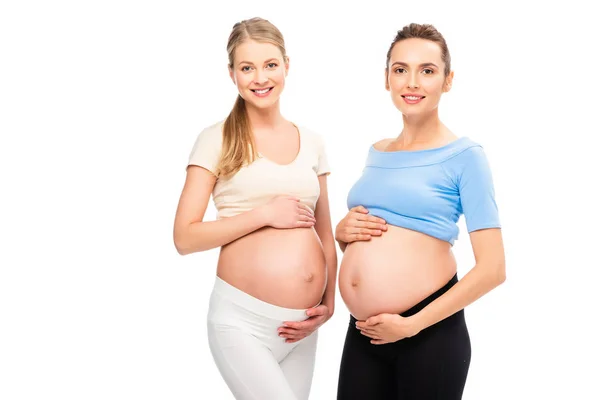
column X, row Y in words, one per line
column 255, row 305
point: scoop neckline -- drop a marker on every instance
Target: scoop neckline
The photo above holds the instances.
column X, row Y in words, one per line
column 300, row 146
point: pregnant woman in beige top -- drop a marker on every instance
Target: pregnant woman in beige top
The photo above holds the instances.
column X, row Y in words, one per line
column 276, row 272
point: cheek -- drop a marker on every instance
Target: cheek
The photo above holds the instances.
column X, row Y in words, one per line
column 278, row 76
column 397, row 83
column 433, row 87
column 241, row 80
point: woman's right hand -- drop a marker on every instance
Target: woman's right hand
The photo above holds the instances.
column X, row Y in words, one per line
column 359, row 225
column 286, row 212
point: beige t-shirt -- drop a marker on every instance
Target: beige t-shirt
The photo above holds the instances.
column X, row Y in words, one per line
column 256, row 184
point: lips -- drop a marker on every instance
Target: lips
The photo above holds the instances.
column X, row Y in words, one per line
column 413, row 97
column 262, row 91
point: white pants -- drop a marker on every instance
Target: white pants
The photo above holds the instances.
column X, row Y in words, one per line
column 253, row 359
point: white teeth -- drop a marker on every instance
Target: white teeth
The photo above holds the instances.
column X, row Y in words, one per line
column 263, row 91
column 413, row 98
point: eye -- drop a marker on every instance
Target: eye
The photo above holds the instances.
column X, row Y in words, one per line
column 399, row 70
column 271, row 65
column 428, row 71
column 246, row 68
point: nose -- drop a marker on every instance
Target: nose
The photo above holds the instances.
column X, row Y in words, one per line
column 260, row 77
column 413, row 82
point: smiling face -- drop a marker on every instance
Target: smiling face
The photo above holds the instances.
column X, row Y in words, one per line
column 259, row 70
column 415, row 76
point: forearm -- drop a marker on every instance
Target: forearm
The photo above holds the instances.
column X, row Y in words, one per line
column 331, row 260
column 471, row 287
column 202, row 236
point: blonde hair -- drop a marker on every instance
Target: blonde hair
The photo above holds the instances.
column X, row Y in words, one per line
column 238, row 145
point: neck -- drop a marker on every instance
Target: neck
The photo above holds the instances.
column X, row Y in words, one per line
column 264, row 118
column 421, row 129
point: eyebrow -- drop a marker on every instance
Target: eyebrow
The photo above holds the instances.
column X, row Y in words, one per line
column 249, row 62
column 428, row 64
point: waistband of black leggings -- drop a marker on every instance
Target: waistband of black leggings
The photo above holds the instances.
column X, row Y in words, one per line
column 423, row 303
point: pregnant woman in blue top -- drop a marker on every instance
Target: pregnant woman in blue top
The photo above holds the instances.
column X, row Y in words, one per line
column 407, row 337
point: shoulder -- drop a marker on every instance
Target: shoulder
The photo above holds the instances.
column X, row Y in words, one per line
column 208, row 141
column 209, row 137
column 469, row 161
column 463, row 150
column 382, row 144
column 310, row 136
column 307, row 131
column 213, row 131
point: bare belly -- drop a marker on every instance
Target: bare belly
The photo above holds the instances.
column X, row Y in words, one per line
column 284, row 267
column 393, row 272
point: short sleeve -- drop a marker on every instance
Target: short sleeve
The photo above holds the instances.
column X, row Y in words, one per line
column 476, row 189
column 207, row 148
column 323, row 163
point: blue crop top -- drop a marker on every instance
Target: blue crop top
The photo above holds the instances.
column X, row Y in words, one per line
column 428, row 190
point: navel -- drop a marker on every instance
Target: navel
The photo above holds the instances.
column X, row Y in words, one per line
column 309, row 277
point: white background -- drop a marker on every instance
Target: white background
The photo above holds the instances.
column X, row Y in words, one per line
column 100, row 103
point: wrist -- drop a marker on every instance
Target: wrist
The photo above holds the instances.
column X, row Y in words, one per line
column 330, row 304
column 416, row 323
column 262, row 215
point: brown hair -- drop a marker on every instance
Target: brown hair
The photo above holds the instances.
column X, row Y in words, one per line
column 238, row 145
column 422, row 31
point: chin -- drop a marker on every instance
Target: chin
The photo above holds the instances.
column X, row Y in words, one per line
column 263, row 105
column 410, row 110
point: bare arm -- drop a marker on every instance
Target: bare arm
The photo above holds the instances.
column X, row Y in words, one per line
column 488, row 272
column 294, row 331
column 190, row 233
column 323, row 229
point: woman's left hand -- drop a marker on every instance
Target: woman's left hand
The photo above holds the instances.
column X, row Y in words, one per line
column 387, row 328
column 294, row 331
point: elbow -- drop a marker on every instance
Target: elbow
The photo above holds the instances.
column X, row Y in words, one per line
column 493, row 273
column 500, row 273
column 184, row 245
column 181, row 250
column 181, row 244
column 180, row 247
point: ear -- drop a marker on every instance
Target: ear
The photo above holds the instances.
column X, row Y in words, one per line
column 287, row 65
column 448, row 81
column 387, row 82
column 231, row 75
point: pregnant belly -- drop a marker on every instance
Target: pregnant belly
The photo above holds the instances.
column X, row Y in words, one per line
column 284, row 267
column 393, row 272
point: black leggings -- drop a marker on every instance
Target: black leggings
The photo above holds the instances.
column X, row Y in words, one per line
column 431, row 365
